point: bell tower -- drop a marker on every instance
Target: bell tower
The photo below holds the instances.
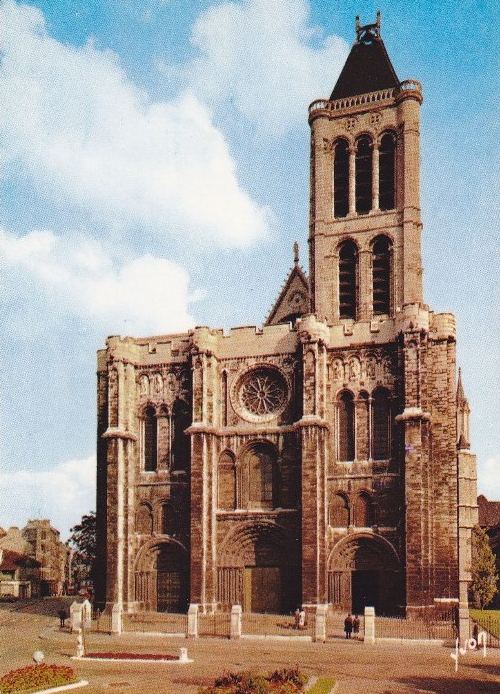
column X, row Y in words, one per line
column 365, row 227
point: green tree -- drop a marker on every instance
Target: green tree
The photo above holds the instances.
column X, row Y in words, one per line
column 83, row 543
column 483, row 587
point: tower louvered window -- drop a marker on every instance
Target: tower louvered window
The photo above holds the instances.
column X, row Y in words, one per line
column 348, row 260
column 381, row 276
column 387, row 172
column 150, row 440
column 346, row 427
column 381, row 424
column 363, row 175
column 341, row 179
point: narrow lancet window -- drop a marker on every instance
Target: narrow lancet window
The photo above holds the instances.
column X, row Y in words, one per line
column 348, row 260
column 150, row 440
column 387, row 172
column 346, row 427
column 381, row 444
column 381, row 276
column 341, row 179
column 363, row 175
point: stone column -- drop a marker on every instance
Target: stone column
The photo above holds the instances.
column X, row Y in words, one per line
column 313, row 429
column 375, row 176
column 352, row 180
column 417, row 471
column 365, row 284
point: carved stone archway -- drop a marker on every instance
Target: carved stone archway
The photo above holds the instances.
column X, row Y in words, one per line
column 259, row 568
column 364, row 569
column 162, row 576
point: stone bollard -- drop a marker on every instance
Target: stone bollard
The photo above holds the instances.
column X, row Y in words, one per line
column 192, row 632
column 369, row 625
column 320, row 623
column 80, row 649
column 183, row 655
column 235, row 632
column 86, row 615
column 75, row 616
column 116, row 619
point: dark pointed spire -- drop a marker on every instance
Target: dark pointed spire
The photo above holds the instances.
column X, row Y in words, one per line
column 296, row 253
column 461, row 399
column 368, row 67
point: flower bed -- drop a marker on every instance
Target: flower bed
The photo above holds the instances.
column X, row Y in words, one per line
column 36, row 677
column 131, row 656
column 285, row 681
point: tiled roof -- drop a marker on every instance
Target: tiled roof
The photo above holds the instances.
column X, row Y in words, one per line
column 368, row 68
column 489, row 512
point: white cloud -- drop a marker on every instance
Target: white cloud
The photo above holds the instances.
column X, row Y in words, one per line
column 265, row 58
column 86, row 135
column 489, row 477
column 62, row 494
column 76, row 276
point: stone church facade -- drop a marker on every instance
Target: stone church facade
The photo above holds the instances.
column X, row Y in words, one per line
column 321, row 458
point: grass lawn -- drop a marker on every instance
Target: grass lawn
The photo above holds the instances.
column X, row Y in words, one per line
column 490, row 619
column 322, row 686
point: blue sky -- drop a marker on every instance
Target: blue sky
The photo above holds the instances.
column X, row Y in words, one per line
column 155, row 153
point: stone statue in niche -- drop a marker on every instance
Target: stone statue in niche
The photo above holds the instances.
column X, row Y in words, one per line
column 354, row 369
column 371, row 368
column 144, row 385
column 171, row 386
column 387, row 367
column 338, row 370
column 157, row 384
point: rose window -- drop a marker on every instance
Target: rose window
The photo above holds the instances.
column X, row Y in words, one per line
column 262, row 393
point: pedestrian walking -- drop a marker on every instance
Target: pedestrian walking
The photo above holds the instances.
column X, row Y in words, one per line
column 63, row 616
column 348, row 626
column 355, row 626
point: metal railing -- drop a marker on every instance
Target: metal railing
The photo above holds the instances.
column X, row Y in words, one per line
column 257, row 624
column 426, row 627
column 216, row 625
column 491, row 625
column 335, row 626
column 156, row 622
column 101, row 621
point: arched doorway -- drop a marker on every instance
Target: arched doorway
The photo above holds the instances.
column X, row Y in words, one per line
column 259, row 569
column 162, row 577
column 364, row 570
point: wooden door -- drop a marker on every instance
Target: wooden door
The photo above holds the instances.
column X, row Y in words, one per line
column 262, row 589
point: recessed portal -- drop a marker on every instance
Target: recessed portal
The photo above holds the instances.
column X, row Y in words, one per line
column 365, row 591
column 262, row 589
column 171, row 579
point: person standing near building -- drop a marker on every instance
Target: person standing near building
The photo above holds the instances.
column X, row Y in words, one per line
column 355, row 626
column 348, row 622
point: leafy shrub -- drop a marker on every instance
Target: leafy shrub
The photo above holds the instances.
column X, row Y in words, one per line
column 33, row 677
column 288, row 675
column 284, row 681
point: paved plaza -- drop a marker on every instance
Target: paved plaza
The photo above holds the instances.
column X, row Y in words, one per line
column 382, row 669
